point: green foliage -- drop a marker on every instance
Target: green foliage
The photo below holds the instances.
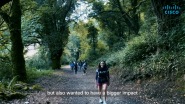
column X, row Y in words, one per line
column 102, row 48
column 167, row 65
column 2, row 87
column 13, row 95
column 5, row 62
column 37, row 87
column 5, row 70
column 39, row 60
column 34, row 73
column 92, row 35
column 12, row 82
column 137, row 49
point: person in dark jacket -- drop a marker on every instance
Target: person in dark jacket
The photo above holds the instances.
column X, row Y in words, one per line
column 75, row 67
column 80, row 65
column 102, row 80
column 85, row 67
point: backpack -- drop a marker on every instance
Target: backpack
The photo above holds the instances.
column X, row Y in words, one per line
column 80, row 63
column 72, row 64
column 102, row 76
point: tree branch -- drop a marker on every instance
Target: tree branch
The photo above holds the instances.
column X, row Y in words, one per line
column 5, row 16
column 135, row 7
column 35, row 36
column 108, row 11
column 2, row 23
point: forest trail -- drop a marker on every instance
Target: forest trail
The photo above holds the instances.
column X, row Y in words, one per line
column 65, row 79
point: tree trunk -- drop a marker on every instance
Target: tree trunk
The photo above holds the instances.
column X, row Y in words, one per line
column 165, row 22
column 17, row 57
column 135, row 17
column 93, row 39
column 55, row 57
column 56, row 63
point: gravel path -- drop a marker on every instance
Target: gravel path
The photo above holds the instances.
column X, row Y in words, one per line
column 65, row 79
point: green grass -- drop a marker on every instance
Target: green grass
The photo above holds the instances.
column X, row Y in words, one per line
column 33, row 73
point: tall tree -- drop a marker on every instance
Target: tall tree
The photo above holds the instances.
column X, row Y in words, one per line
column 132, row 20
column 14, row 24
column 55, row 28
column 121, row 17
column 166, row 22
column 92, row 35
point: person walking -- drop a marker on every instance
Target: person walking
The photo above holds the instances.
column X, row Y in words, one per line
column 75, row 67
column 72, row 65
column 80, row 65
column 85, row 67
column 102, row 80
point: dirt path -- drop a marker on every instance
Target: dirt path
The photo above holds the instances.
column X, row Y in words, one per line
column 65, row 79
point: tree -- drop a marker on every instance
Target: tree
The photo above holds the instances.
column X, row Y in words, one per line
column 14, row 25
column 55, row 27
column 133, row 20
column 92, row 35
column 80, row 41
column 166, row 23
column 120, row 17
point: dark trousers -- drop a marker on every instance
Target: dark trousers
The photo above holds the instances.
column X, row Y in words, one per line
column 72, row 67
column 75, row 68
column 85, row 70
column 75, row 71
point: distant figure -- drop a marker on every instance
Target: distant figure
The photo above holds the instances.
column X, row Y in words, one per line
column 85, row 67
column 102, row 80
column 72, row 65
column 80, row 65
column 75, row 67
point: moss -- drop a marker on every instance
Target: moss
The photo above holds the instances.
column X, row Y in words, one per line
column 26, row 88
column 56, row 63
column 16, row 95
column 3, row 95
column 2, row 87
column 37, row 87
column 11, row 96
column 17, row 58
column 55, row 57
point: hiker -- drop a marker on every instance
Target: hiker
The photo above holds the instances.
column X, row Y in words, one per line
column 102, row 80
column 85, row 67
column 80, row 65
column 75, row 67
column 72, row 65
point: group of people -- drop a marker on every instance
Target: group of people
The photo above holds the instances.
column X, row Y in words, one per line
column 102, row 79
column 78, row 66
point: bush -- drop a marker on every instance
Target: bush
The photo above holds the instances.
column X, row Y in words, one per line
column 34, row 73
column 5, row 70
column 167, row 64
column 140, row 55
column 137, row 49
column 38, row 62
column 37, row 87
